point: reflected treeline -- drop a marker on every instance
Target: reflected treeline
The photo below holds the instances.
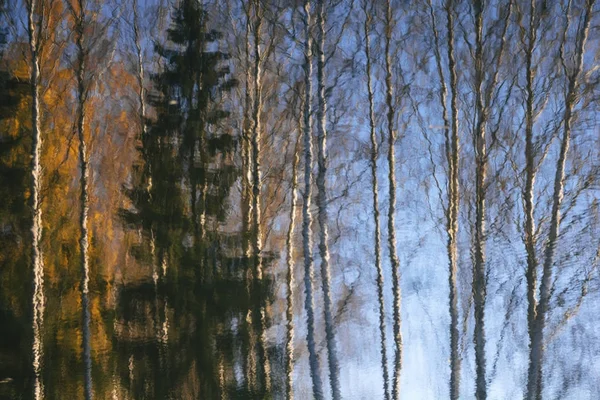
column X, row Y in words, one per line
column 265, row 199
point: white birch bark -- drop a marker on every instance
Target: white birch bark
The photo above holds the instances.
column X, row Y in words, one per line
column 376, row 212
column 391, row 159
column 246, row 200
column 321, row 116
column 453, row 204
column 537, row 340
column 451, row 209
column 479, row 256
column 260, row 314
column 307, row 243
column 82, row 92
column 290, row 280
column 528, row 198
column 36, row 176
column 483, row 99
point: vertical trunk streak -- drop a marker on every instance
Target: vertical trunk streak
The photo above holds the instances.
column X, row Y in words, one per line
column 246, row 150
column 36, row 228
column 203, row 196
column 246, row 207
column 479, row 283
column 452, row 156
column 391, row 158
column 140, row 71
column 537, row 342
column 131, row 368
column 259, row 315
column 454, row 204
column 483, row 103
column 222, row 382
column 376, row 212
column 84, row 250
column 290, row 280
column 251, row 358
column 79, row 16
column 246, row 194
column 528, row 200
column 246, row 153
column 313, row 360
column 322, row 207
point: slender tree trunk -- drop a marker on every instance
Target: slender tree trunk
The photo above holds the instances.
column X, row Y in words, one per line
column 537, row 341
column 259, row 315
column 451, row 209
column 528, row 199
column 454, row 202
column 246, row 206
column 36, row 177
column 391, row 158
column 246, row 143
column 222, row 380
column 479, row 275
column 140, row 68
column 204, row 183
column 307, row 243
column 290, row 281
column 82, row 92
column 483, row 101
column 376, row 212
column 321, row 116
column 255, row 146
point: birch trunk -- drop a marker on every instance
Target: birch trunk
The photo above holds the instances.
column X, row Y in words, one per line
column 36, row 176
column 453, row 204
column 451, row 209
column 479, row 256
column 537, row 341
column 321, row 116
column 313, row 360
column 528, row 200
column 376, row 213
column 483, row 103
column 391, row 159
column 290, row 281
column 140, row 68
column 82, row 92
column 246, row 206
column 259, row 316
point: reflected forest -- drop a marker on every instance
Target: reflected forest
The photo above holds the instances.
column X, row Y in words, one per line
column 309, row 199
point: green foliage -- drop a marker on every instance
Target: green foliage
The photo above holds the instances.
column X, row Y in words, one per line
column 182, row 179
